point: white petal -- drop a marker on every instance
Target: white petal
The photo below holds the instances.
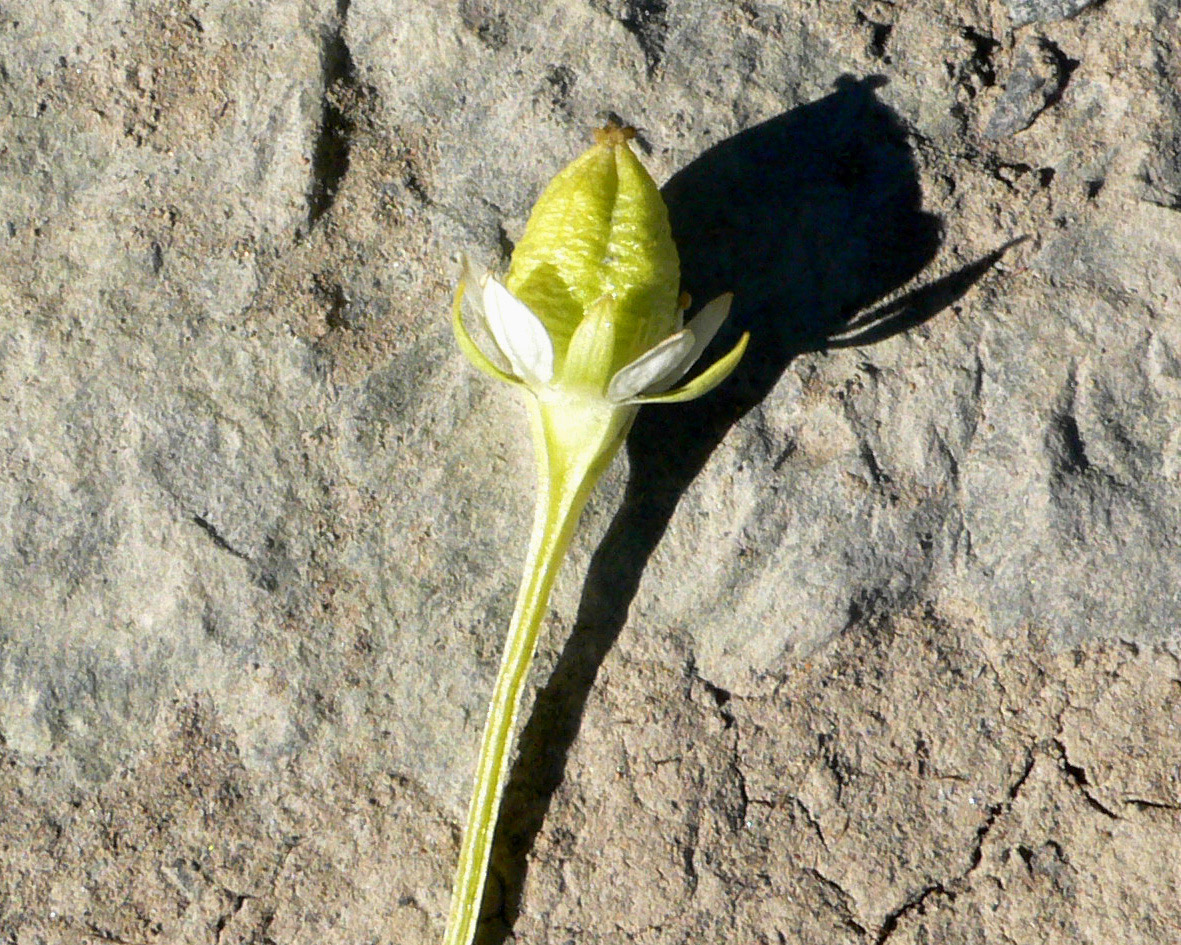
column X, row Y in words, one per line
column 703, row 383
column 650, row 368
column 704, row 325
column 472, row 276
column 519, row 333
column 476, row 354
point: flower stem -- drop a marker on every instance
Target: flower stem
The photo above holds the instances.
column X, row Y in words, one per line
column 567, row 473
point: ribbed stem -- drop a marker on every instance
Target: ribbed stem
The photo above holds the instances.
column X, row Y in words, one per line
column 565, row 479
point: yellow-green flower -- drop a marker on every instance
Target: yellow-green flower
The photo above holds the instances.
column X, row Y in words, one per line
column 591, row 304
column 589, row 324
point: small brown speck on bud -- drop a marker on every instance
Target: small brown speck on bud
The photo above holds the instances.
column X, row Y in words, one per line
column 614, row 134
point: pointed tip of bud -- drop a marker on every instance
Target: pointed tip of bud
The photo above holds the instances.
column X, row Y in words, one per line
column 614, row 134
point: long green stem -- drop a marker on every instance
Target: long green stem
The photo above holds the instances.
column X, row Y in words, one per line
column 566, row 475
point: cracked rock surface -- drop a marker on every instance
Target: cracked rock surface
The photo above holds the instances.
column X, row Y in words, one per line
column 878, row 643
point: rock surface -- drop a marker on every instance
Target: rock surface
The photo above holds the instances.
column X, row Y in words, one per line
column 879, row 643
column 1035, row 82
column 1024, row 12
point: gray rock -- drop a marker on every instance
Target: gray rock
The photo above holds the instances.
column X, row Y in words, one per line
column 1022, row 12
column 1035, row 82
column 1161, row 171
column 878, row 641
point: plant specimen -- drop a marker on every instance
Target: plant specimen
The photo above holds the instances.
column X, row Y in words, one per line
column 588, row 325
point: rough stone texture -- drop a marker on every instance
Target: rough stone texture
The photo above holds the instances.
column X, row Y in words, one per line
column 1024, row 12
column 879, row 643
column 1161, row 171
column 1035, row 82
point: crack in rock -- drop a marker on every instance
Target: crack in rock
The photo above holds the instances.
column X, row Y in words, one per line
column 1077, row 776
column 218, row 539
column 846, row 903
column 949, row 889
column 330, row 151
column 914, row 902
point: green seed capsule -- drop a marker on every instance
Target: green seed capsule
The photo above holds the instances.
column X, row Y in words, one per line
column 599, row 232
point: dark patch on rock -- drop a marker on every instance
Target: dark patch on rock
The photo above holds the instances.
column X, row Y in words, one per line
column 1039, row 75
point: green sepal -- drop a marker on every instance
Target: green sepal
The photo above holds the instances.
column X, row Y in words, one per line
column 592, row 349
